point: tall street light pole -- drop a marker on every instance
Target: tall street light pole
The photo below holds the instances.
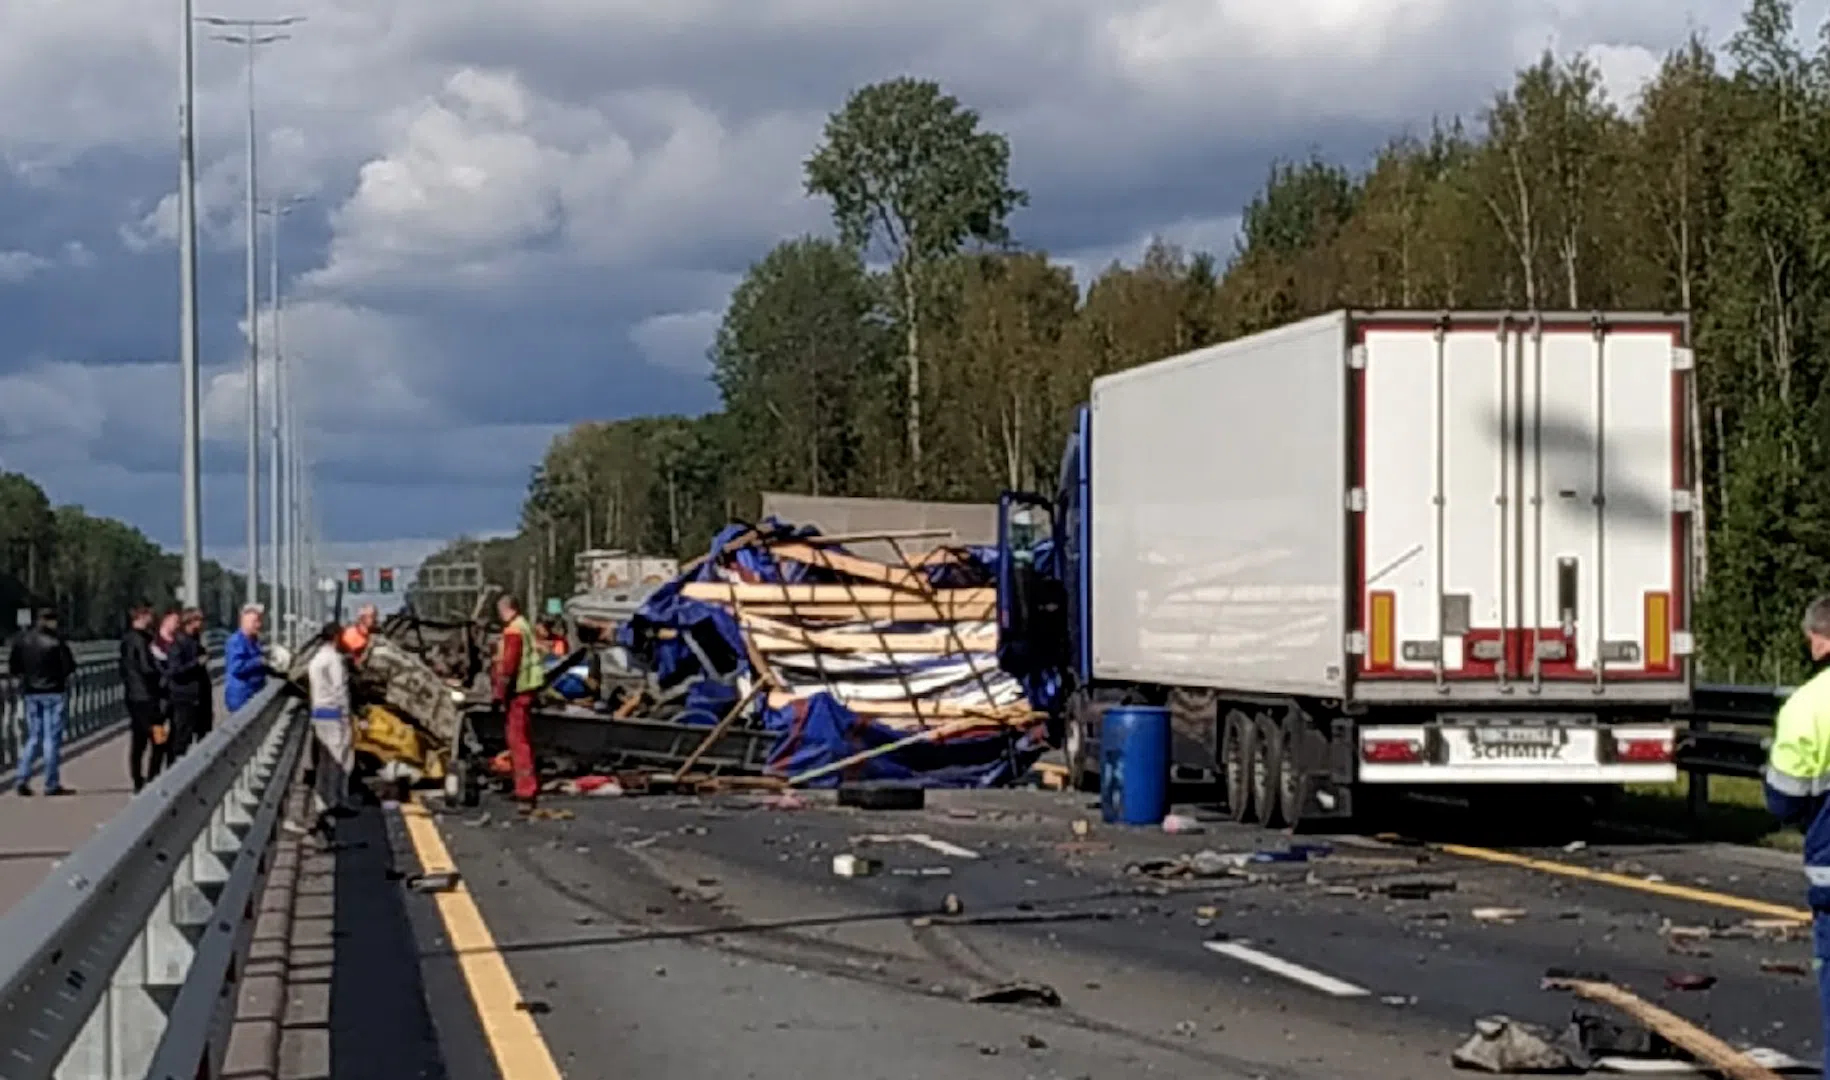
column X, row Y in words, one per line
column 253, row 34
column 278, row 455
column 191, row 466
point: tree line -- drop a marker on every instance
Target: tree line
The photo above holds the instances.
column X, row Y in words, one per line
column 90, row 569
column 922, row 351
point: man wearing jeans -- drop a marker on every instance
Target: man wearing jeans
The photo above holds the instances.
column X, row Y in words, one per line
column 42, row 662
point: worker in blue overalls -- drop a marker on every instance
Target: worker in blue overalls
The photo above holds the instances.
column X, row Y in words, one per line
column 1797, row 783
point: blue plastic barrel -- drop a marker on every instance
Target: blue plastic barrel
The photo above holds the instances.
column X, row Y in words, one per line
column 1134, row 753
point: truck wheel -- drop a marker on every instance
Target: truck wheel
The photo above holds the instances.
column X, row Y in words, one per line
column 1267, row 771
column 1236, row 765
column 1289, row 771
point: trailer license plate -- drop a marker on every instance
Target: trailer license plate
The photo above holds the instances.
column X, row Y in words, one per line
column 1520, row 744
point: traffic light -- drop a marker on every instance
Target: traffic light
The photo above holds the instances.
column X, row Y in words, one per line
column 384, row 579
column 355, row 580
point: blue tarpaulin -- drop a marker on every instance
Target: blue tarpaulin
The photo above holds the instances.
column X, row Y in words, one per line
column 815, row 727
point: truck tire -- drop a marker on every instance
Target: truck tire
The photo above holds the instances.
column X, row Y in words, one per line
column 1268, row 770
column 1236, row 764
column 1289, row 769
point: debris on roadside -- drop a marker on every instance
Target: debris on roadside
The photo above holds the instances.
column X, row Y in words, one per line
column 1689, row 980
column 1785, row 967
column 1082, row 828
column 1501, row 1044
column 1016, row 993
column 1688, row 1037
column 1034, row 1042
column 435, row 882
column 1502, row 916
column 847, row 865
column 1417, row 889
column 1181, row 825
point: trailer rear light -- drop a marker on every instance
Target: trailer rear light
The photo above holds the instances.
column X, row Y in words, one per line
column 1391, row 751
column 1644, row 750
column 1380, row 617
column 1658, row 630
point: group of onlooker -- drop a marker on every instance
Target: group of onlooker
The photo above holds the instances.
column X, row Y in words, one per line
column 166, row 678
column 165, row 681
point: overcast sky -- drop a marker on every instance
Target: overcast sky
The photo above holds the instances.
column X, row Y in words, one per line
column 525, row 213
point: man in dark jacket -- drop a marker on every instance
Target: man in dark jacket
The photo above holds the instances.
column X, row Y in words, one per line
column 43, row 664
column 187, row 682
column 141, row 682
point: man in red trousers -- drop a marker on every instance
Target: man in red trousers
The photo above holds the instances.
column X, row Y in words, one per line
column 519, row 674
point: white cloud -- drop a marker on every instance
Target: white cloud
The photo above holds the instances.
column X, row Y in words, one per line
column 678, row 340
column 18, row 266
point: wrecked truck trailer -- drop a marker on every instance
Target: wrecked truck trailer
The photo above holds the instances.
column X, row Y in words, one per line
column 860, row 669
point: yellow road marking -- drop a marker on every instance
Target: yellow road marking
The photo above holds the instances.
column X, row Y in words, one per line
column 1623, row 881
column 521, row 1052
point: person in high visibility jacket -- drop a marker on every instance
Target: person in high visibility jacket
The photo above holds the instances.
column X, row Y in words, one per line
column 519, row 675
column 1798, row 789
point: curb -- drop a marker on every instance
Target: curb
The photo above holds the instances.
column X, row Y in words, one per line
column 253, row 1052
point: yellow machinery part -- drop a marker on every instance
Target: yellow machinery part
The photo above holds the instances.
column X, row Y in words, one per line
column 382, row 734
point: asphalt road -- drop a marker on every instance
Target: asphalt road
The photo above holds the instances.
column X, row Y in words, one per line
column 662, row 937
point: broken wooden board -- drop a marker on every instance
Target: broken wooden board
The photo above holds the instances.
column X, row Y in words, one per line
column 747, row 593
column 782, row 638
column 899, row 577
column 1683, row 1034
column 907, row 607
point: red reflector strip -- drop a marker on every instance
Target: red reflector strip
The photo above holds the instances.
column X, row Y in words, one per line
column 1391, row 751
column 1643, row 751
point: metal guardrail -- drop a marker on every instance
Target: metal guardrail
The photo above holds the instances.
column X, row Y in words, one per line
column 123, row 963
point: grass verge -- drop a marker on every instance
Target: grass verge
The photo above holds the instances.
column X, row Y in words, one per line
column 1736, row 813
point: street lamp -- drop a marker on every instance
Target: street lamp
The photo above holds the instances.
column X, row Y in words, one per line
column 251, row 37
column 279, row 577
column 191, row 456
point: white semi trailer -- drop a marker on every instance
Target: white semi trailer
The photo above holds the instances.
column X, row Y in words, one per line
column 1376, row 550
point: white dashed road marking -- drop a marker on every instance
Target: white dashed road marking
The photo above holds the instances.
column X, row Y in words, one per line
column 1297, row 973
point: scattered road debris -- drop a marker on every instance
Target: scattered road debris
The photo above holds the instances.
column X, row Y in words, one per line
column 436, row 882
column 952, row 905
column 533, row 1008
column 1785, row 967
column 1181, row 824
column 1688, row 1037
column 848, row 865
column 1417, row 889
column 1689, row 980
column 1504, row 916
column 1501, row 1044
column 1082, row 828
column 1016, row 993
column 1034, row 1042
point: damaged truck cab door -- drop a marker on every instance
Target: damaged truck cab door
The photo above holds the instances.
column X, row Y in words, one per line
column 1032, row 628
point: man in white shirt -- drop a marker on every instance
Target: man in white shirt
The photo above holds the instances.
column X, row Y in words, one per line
column 330, row 725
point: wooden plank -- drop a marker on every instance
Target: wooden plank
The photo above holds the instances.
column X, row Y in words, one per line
column 899, row 577
column 906, row 609
column 720, row 592
column 929, row 643
column 1683, row 1034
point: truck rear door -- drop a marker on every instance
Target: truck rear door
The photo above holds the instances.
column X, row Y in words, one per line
column 1521, row 497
